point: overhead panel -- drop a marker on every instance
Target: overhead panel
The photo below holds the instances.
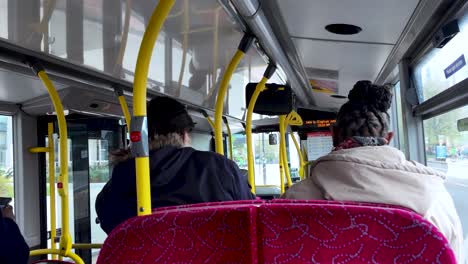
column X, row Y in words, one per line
column 382, row 21
column 353, row 57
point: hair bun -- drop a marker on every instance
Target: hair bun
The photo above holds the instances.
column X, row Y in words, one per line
column 376, row 96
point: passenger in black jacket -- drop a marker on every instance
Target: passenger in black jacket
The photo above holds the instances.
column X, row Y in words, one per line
column 179, row 173
column 13, row 248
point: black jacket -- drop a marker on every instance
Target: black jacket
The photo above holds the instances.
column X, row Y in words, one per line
column 13, row 248
column 178, row 176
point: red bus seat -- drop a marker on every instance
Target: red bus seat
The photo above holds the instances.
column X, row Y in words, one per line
column 277, row 232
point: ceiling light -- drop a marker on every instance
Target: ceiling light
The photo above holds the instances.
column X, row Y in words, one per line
column 343, row 29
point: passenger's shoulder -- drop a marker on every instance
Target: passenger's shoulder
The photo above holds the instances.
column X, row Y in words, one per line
column 212, row 156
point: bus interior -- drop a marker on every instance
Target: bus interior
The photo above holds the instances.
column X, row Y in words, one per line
column 320, row 48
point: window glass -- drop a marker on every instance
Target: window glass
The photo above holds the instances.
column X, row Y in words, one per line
column 92, row 35
column 201, row 141
column 443, row 68
column 4, row 19
column 447, row 151
column 239, row 150
column 6, row 158
column 400, row 128
column 266, row 160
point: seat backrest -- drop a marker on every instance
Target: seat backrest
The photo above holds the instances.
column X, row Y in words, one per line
column 277, row 232
column 193, row 234
column 343, row 233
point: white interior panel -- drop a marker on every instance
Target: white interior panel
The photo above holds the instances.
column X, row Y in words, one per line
column 17, row 88
column 353, row 61
column 381, row 20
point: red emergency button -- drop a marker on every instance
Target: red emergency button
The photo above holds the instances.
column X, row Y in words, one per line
column 59, row 185
column 135, row 136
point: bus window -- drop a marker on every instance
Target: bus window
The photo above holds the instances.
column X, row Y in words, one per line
column 447, row 151
column 4, row 19
column 6, row 158
column 443, row 68
column 239, row 150
column 399, row 118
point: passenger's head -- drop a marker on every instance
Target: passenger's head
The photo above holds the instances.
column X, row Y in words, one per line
column 169, row 123
column 365, row 114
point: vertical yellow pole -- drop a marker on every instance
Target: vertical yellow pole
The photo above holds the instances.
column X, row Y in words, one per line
column 139, row 136
column 302, row 163
column 281, row 171
column 124, row 106
column 62, row 185
column 248, row 131
column 284, row 154
column 53, row 216
column 244, row 45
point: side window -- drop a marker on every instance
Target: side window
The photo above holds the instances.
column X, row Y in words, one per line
column 400, row 130
column 6, row 158
column 447, row 151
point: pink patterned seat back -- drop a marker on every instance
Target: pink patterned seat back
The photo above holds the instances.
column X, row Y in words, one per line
column 209, row 234
column 277, row 232
column 338, row 233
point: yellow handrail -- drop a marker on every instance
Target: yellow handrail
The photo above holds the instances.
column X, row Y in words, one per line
column 50, row 150
column 248, row 131
column 208, row 118
column 139, row 126
column 58, row 252
column 248, row 127
column 123, row 104
column 53, row 216
column 281, row 167
column 283, row 151
column 244, row 45
column 302, row 163
column 292, row 119
column 87, row 246
column 62, row 185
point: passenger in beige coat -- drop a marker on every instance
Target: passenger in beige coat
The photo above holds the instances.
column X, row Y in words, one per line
column 363, row 168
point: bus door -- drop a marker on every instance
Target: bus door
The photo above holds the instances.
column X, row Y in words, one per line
column 91, row 139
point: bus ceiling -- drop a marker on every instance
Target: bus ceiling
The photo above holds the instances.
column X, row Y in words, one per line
column 296, row 41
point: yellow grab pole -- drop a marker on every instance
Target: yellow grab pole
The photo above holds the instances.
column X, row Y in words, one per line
column 244, row 45
column 123, row 104
column 62, row 185
column 50, row 150
column 293, row 119
column 270, row 70
column 39, row 150
column 283, row 151
column 58, row 252
column 302, row 163
column 86, row 246
column 53, row 216
column 228, row 128
column 139, row 127
column 208, row 118
column 281, row 171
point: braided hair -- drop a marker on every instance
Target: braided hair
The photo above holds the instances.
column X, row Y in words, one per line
column 365, row 114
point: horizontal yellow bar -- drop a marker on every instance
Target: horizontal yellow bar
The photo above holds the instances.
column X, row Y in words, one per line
column 86, row 246
column 39, row 150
